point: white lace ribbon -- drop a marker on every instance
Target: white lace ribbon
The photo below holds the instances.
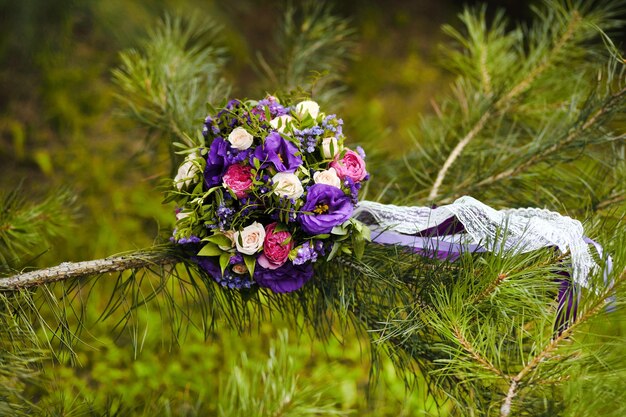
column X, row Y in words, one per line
column 513, row 230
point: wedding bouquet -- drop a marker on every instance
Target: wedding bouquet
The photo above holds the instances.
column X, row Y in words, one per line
column 272, row 191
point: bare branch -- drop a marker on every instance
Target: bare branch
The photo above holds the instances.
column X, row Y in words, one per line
column 69, row 270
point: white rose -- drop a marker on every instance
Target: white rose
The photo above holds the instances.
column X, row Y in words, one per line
column 330, row 147
column 240, row 138
column 187, row 172
column 287, row 185
column 281, row 123
column 250, row 239
column 328, row 177
column 182, row 214
column 309, row 107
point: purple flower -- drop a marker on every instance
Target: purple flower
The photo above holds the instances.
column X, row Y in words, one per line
column 328, row 207
column 235, row 156
column 286, row 278
column 309, row 137
column 210, row 125
column 354, row 188
column 360, row 151
column 274, row 107
column 237, row 258
column 216, row 162
column 278, row 151
column 305, row 254
column 188, row 240
column 332, row 124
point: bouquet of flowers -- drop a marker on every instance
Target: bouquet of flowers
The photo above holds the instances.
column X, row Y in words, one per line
column 271, row 191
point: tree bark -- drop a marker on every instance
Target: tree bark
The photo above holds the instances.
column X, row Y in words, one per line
column 68, row 270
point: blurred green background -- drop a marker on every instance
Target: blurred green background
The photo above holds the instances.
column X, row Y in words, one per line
column 59, row 127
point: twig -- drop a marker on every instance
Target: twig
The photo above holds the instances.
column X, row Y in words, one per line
column 553, row 345
column 477, row 356
column 491, row 288
column 500, row 104
column 505, row 410
column 557, row 146
column 68, row 270
column 456, row 152
column 610, row 201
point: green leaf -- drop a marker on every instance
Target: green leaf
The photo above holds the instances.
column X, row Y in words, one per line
column 339, row 230
column 250, row 263
column 322, row 236
column 220, row 240
column 333, row 250
column 358, row 244
column 210, row 249
column 366, row 233
column 224, row 260
column 307, row 121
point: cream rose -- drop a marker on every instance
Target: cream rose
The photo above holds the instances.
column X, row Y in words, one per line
column 328, row 177
column 309, row 107
column 281, row 123
column 187, row 172
column 240, row 138
column 240, row 269
column 182, row 214
column 250, row 239
column 330, row 147
column 287, row 185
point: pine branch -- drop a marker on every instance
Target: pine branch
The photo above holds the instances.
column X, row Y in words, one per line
column 503, row 103
column 589, row 123
column 166, row 85
column 467, row 346
column 26, row 227
column 556, row 342
column 71, row 270
column 313, row 46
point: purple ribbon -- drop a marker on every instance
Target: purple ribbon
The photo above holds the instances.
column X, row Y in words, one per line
column 430, row 245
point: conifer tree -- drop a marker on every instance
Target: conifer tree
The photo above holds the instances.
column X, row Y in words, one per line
column 533, row 118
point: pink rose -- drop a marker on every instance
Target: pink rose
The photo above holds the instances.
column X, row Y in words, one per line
column 239, row 179
column 276, row 247
column 351, row 166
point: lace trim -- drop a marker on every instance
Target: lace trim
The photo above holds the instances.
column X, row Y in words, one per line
column 514, row 230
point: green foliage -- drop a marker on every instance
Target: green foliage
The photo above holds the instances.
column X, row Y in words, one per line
column 311, row 51
column 272, row 389
column 20, row 359
column 167, row 85
column 475, row 337
column 517, row 108
column 26, row 229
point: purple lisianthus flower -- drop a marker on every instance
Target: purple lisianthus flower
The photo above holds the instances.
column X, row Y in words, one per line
column 216, row 162
column 287, row 278
column 279, row 152
column 209, row 266
column 328, row 207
